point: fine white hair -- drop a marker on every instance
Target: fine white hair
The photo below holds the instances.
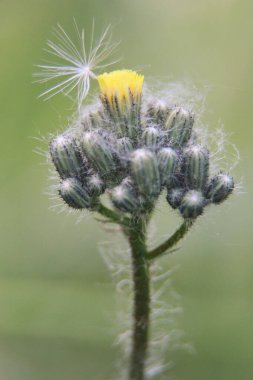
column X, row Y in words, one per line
column 76, row 63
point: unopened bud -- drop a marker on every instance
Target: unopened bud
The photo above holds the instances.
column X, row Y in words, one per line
column 98, row 153
column 150, row 138
column 192, row 204
column 124, row 149
column 220, row 186
column 196, row 166
column 94, row 119
column 95, row 185
column 125, row 198
column 179, row 124
column 167, row 161
column 157, row 113
column 66, row 155
column 74, row 194
column 145, row 172
column 175, row 196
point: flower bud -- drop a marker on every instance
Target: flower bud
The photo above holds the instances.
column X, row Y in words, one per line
column 179, row 124
column 145, row 172
column 66, row 156
column 98, row 153
column 175, row 196
column 74, row 194
column 192, row 204
column 94, row 119
column 95, row 185
column 167, row 161
column 220, row 186
column 125, row 198
column 150, row 138
column 157, row 113
column 124, row 149
column 196, row 166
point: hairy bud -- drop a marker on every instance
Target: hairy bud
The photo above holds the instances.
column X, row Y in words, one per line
column 167, row 161
column 196, row 166
column 179, row 124
column 145, row 172
column 95, row 185
column 175, row 196
column 150, row 138
column 125, row 198
column 94, row 119
column 74, row 194
column 220, row 186
column 192, row 204
column 157, row 112
column 66, row 156
column 124, row 149
column 98, row 153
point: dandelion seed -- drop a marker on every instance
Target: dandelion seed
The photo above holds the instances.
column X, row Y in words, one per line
column 75, row 64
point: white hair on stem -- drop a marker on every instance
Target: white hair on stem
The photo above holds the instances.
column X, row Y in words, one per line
column 76, row 63
column 165, row 306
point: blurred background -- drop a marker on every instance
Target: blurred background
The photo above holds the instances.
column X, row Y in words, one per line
column 57, row 299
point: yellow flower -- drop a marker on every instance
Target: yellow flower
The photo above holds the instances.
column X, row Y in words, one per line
column 121, row 90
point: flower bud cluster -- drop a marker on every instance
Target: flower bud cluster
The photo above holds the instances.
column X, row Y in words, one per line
column 133, row 155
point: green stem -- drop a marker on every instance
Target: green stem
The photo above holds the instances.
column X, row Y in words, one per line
column 135, row 231
column 112, row 215
column 141, row 311
column 172, row 240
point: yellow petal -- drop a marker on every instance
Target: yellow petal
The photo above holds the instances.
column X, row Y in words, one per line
column 121, row 84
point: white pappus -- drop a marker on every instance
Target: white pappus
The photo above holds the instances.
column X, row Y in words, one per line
column 75, row 63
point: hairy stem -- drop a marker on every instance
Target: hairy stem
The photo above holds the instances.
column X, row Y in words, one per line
column 137, row 240
column 172, row 240
column 113, row 216
column 135, row 231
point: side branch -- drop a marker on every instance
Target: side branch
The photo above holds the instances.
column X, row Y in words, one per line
column 172, row 241
column 112, row 215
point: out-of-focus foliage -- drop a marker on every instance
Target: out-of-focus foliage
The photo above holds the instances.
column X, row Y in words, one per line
column 57, row 302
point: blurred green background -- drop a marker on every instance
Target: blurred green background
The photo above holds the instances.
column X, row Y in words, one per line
column 57, row 300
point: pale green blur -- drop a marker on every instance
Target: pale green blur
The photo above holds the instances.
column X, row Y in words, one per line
column 57, row 300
